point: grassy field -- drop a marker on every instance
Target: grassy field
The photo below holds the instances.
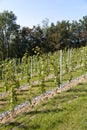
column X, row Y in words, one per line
column 66, row 111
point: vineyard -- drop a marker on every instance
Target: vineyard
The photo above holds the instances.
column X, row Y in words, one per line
column 22, row 80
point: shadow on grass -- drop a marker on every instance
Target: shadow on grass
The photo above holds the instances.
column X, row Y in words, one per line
column 27, row 125
column 17, row 124
column 80, row 88
column 35, row 112
column 24, row 90
column 20, row 126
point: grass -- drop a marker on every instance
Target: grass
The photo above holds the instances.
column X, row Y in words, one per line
column 23, row 95
column 66, row 111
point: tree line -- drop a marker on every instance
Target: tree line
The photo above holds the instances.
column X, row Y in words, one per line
column 16, row 41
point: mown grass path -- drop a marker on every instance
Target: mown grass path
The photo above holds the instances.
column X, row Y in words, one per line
column 66, row 111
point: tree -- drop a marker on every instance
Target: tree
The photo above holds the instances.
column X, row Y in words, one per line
column 83, row 23
column 8, row 27
column 75, row 33
column 20, row 44
column 63, row 33
column 36, row 39
column 52, row 40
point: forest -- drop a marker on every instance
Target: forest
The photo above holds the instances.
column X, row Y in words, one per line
column 15, row 40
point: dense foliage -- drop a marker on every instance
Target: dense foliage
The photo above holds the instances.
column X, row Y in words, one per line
column 16, row 41
column 22, row 80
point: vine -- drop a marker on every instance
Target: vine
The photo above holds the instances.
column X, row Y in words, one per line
column 10, row 82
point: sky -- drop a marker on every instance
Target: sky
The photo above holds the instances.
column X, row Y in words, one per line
column 33, row 12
